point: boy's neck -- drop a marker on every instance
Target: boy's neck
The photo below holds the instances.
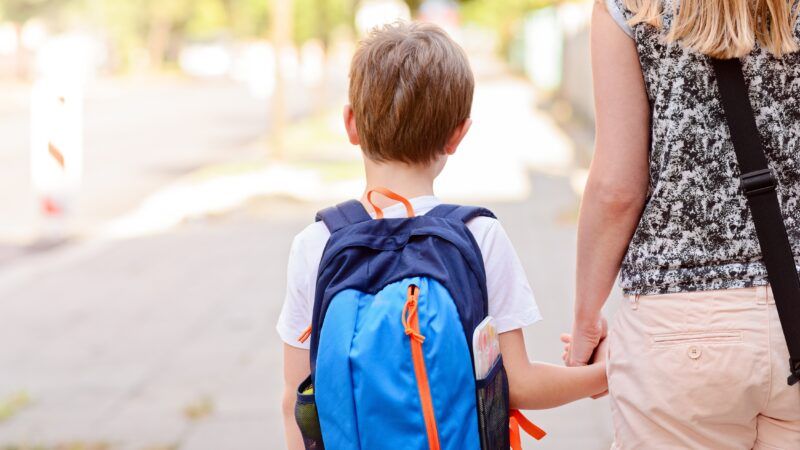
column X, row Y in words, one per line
column 407, row 180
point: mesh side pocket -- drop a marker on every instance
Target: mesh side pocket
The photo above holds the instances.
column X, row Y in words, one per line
column 492, row 394
column 305, row 413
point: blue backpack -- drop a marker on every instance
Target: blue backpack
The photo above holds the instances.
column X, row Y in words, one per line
column 396, row 305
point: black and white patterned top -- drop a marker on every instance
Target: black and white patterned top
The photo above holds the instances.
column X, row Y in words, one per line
column 696, row 232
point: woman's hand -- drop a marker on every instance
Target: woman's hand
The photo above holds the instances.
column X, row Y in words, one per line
column 600, row 355
column 584, row 341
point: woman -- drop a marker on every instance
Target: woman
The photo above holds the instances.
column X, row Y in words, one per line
column 697, row 356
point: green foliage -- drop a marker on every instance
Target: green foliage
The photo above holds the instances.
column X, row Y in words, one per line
column 317, row 19
column 498, row 14
column 207, row 18
column 161, row 26
column 13, row 404
column 19, row 11
column 248, row 18
column 502, row 16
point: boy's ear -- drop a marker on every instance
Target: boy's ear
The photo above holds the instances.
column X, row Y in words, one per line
column 457, row 136
column 350, row 125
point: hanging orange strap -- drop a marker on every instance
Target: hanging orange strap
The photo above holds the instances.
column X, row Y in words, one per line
column 516, row 421
column 392, row 195
column 306, row 334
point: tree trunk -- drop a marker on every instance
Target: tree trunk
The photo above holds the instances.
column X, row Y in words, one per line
column 282, row 15
column 21, row 56
column 321, row 98
column 158, row 39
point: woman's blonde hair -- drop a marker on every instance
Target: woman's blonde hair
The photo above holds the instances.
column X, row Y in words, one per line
column 724, row 28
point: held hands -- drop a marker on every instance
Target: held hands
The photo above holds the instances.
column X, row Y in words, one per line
column 597, row 354
column 584, row 341
column 600, row 355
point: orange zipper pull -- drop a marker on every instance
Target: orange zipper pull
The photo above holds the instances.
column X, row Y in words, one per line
column 409, row 312
column 411, row 324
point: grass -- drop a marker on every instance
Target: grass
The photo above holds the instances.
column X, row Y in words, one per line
column 199, row 408
column 12, row 405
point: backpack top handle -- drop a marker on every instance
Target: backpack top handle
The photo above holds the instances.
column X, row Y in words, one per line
column 392, row 195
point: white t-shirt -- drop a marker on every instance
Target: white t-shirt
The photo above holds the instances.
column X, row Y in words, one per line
column 511, row 300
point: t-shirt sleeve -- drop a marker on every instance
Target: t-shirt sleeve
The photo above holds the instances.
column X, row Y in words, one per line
column 511, row 300
column 298, row 305
column 615, row 9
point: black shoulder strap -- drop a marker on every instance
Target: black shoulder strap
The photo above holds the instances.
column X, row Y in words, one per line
column 459, row 213
column 758, row 184
column 342, row 215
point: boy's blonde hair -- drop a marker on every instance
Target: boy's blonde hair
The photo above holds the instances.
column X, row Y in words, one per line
column 411, row 86
column 725, row 28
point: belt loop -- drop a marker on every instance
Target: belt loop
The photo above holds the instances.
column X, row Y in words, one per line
column 635, row 302
column 762, row 294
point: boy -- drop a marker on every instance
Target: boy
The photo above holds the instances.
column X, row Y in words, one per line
column 411, row 93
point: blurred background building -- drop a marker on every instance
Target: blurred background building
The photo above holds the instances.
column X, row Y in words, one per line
column 158, row 156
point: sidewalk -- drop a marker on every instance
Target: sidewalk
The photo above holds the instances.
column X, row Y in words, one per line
column 164, row 339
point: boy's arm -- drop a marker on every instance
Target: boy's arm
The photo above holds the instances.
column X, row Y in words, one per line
column 536, row 385
column 296, row 368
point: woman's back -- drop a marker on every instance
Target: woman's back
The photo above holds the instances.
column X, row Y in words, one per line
column 696, row 232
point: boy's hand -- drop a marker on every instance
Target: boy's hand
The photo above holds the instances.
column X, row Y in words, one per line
column 566, row 338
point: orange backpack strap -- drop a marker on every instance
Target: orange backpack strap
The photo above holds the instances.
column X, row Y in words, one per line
column 516, row 421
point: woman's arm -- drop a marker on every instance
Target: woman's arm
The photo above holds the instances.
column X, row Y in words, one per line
column 618, row 179
column 296, row 368
column 535, row 385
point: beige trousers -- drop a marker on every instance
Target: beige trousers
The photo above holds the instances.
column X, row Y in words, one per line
column 702, row 370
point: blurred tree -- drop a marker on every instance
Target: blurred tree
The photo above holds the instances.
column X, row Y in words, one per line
column 209, row 17
column 499, row 13
column 152, row 25
column 281, row 38
column 248, row 18
column 20, row 11
column 319, row 19
column 160, row 26
column 502, row 16
column 165, row 19
column 414, row 4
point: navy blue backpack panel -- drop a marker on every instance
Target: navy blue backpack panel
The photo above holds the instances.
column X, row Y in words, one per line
column 367, row 255
column 396, row 305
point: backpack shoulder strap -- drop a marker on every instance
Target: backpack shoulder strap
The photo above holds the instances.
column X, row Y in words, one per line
column 759, row 186
column 459, row 213
column 342, row 215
